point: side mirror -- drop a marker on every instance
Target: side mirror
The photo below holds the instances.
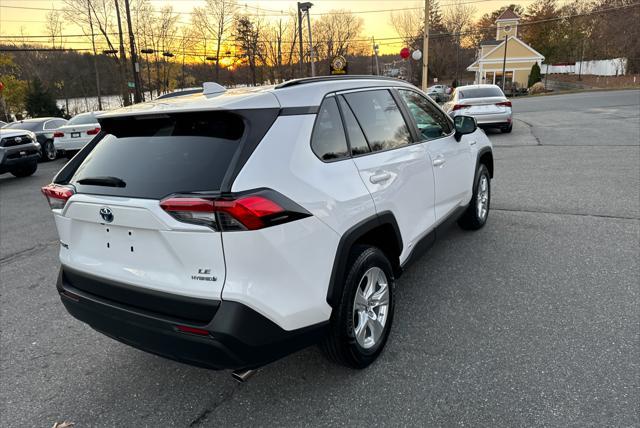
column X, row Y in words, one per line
column 464, row 125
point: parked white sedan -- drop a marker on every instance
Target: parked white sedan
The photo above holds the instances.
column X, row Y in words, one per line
column 76, row 133
column 487, row 103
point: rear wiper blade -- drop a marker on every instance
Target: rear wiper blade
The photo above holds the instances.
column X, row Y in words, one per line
column 103, row 181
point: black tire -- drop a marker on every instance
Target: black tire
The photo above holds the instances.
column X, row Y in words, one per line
column 508, row 129
column 340, row 344
column 472, row 218
column 25, row 170
column 49, row 152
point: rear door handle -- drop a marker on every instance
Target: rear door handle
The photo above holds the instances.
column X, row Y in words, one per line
column 377, row 178
column 439, row 161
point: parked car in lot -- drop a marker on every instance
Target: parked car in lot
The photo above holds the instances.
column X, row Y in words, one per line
column 2, row 124
column 78, row 131
column 44, row 129
column 487, row 103
column 439, row 93
column 322, row 190
column 19, row 152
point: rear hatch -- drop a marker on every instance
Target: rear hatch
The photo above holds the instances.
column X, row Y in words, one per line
column 113, row 226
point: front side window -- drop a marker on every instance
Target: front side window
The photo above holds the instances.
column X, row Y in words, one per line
column 328, row 141
column 380, row 119
column 431, row 123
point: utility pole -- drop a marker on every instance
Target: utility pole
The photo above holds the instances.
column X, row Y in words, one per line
column 95, row 58
column 301, row 59
column 313, row 66
column 504, row 61
column 123, row 58
column 134, row 56
column 376, row 48
column 581, row 61
column 146, row 53
column 425, row 48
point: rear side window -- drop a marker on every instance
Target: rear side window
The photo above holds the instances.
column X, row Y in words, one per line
column 156, row 156
column 328, row 141
column 480, row 93
column 83, row 119
column 357, row 141
column 380, row 118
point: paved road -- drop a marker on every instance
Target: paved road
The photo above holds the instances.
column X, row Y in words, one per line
column 533, row 320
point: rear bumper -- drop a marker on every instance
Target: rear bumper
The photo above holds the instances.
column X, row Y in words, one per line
column 488, row 120
column 68, row 144
column 239, row 337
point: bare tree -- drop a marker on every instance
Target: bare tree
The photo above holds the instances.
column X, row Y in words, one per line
column 335, row 34
column 216, row 17
column 457, row 18
column 53, row 27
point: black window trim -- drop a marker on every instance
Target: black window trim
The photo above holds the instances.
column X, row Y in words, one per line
column 414, row 124
column 344, row 125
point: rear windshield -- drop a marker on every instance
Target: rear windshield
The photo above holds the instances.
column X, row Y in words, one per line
column 153, row 157
column 83, row 119
column 28, row 126
column 480, row 93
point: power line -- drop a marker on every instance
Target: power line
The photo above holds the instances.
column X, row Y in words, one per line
column 442, row 34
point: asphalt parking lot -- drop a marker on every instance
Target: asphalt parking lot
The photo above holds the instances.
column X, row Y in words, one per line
column 534, row 320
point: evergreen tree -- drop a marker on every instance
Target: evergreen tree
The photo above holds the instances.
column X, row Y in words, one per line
column 40, row 102
column 534, row 76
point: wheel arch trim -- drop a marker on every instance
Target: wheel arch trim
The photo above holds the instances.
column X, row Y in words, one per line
column 351, row 237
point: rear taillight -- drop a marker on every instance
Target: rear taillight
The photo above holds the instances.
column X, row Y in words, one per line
column 459, row 107
column 504, row 104
column 58, row 134
column 244, row 212
column 94, row 131
column 57, row 195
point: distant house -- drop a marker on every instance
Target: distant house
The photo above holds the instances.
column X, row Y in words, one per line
column 520, row 57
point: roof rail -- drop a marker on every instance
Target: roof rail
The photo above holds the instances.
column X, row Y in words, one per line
column 305, row 80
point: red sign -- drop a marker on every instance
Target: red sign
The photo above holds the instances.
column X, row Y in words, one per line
column 405, row 53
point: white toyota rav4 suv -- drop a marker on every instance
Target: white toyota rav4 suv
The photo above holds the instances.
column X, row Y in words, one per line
column 229, row 228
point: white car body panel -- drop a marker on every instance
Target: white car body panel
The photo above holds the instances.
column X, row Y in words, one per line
column 166, row 253
column 407, row 192
column 283, row 271
column 453, row 170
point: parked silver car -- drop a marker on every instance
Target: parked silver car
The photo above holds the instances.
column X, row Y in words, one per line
column 487, row 103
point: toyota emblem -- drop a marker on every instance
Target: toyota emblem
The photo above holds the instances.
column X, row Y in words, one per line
column 106, row 214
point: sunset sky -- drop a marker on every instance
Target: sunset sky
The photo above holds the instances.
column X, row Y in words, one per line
column 15, row 21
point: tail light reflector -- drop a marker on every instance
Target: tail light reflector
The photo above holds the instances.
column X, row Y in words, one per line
column 192, row 330
column 504, row 104
column 460, row 107
column 58, row 134
column 94, row 131
column 57, row 195
column 245, row 212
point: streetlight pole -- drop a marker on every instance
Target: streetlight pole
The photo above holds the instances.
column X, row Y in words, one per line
column 304, row 7
column 425, row 48
column 301, row 59
column 504, row 61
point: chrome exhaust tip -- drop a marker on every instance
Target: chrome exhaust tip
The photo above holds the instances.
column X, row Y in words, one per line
column 242, row 375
